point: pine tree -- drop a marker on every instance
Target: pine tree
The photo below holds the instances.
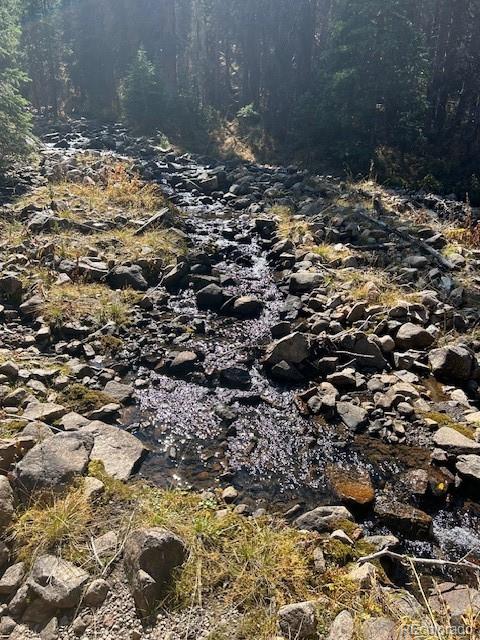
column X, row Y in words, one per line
column 142, row 100
column 15, row 121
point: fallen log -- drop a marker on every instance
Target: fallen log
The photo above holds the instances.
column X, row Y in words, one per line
column 446, row 264
column 153, row 221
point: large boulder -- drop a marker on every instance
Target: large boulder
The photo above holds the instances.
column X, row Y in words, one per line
column 403, row 517
column 455, row 442
column 119, row 450
column 118, row 391
column 304, row 281
column 362, row 347
column 293, row 349
column 53, row 584
column 468, row 467
column 453, row 363
column 125, row 276
column 150, row 557
column 247, row 307
column 351, row 415
column 44, row 412
column 413, row 336
column 53, row 463
column 211, row 298
column 324, row 519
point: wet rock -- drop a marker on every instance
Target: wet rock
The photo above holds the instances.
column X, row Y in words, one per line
column 403, row 517
column 294, row 349
column 119, row 450
column 298, row 620
column 353, row 416
column 235, row 377
column 412, row 336
column 183, row 363
column 324, row 519
column 210, row 298
column 125, row 276
column 454, row 442
column 247, row 307
column 351, row 485
column 451, row 363
column 150, row 556
column 459, row 601
column 53, row 463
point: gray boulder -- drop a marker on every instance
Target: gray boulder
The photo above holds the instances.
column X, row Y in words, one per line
column 298, row 620
column 44, row 412
column 119, row 450
column 413, row 336
column 468, row 467
column 304, row 281
column 125, row 276
column 342, row 627
column 54, row 463
column 150, row 557
column 452, row 363
column 118, row 391
column 12, row 578
column 351, row 415
column 210, row 298
column 293, row 349
column 53, row 584
column 247, row 307
column 324, row 519
column 454, row 442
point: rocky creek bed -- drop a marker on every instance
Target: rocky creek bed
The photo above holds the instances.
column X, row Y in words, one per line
column 278, row 343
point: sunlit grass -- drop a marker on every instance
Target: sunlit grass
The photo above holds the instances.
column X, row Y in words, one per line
column 71, row 302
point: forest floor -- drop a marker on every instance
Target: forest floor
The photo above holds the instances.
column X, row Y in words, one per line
column 223, row 386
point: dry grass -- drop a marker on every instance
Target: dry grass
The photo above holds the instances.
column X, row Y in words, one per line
column 53, row 524
column 118, row 187
column 72, row 302
column 246, row 565
column 372, row 285
column 290, row 226
column 331, row 252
